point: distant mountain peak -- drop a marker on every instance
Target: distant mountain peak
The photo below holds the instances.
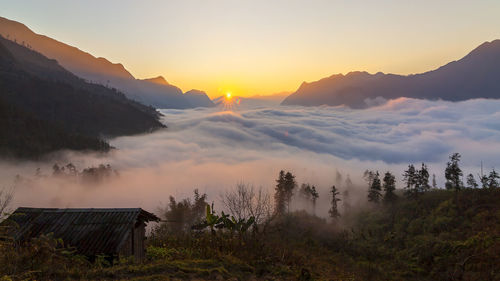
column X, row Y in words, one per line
column 158, row 80
column 473, row 76
column 154, row 91
column 198, row 98
column 195, row 92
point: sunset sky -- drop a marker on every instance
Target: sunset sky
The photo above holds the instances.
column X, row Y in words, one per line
column 263, row 47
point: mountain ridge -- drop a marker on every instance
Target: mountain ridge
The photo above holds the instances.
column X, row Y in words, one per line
column 98, row 70
column 476, row 75
column 59, row 110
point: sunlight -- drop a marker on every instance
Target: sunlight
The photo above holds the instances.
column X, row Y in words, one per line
column 228, row 95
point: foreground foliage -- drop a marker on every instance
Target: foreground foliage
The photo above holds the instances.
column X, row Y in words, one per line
column 439, row 236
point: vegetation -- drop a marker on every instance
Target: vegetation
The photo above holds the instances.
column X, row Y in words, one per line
column 44, row 108
column 427, row 234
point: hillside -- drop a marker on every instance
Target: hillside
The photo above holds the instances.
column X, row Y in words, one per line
column 441, row 236
column 97, row 70
column 38, row 89
column 474, row 76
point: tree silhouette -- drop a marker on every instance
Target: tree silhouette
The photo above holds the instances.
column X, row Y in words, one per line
column 453, row 173
column 417, row 181
column 389, row 187
column 285, row 185
column 309, row 193
column 471, row 182
column 493, row 178
column 345, row 193
column 279, row 195
column 334, row 212
column 410, row 178
column 374, row 186
column 423, row 179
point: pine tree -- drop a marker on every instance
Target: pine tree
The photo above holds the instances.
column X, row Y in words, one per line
column 410, row 178
column 484, row 181
column 334, row 212
column 314, row 197
column 279, row 195
column 309, row 194
column 345, row 194
column 290, row 185
column 471, row 182
column 453, row 173
column 493, row 179
column 389, row 187
column 305, row 192
column 374, row 192
column 423, row 179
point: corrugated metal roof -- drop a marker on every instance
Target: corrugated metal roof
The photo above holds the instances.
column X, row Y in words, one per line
column 91, row 231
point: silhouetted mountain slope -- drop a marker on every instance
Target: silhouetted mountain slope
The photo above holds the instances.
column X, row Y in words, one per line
column 23, row 135
column 198, row 98
column 477, row 75
column 157, row 80
column 97, row 70
column 34, row 86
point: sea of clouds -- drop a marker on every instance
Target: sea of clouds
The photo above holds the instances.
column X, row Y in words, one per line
column 212, row 150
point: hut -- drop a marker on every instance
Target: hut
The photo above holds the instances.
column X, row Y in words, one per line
column 110, row 232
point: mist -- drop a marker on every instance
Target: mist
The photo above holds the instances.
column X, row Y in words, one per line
column 212, row 150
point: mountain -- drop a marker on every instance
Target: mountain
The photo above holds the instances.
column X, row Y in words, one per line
column 157, row 80
column 199, row 98
column 37, row 90
column 154, row 92
column 477, row 75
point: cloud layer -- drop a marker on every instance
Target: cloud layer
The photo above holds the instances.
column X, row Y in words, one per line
column 212, row 150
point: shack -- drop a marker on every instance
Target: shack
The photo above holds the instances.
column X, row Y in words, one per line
column 110, row 232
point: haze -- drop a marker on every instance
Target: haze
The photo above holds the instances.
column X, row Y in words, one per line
column 213, row 150
column 263, row 47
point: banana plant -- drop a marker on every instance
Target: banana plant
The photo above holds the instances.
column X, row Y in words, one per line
column 214, row 221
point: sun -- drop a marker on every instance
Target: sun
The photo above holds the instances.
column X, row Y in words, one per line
column 228, row 95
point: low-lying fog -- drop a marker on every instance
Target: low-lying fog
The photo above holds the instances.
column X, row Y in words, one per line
column 212, row 150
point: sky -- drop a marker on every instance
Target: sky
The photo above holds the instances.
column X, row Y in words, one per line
column 261, row 46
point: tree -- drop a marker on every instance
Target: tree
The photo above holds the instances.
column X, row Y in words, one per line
column 493, row 179
column 6, row 196
column 417, row 181
column 305, row 191
column 410, row 178
column 285, row 185
column 471, row 182
column 345, row 194
column 290, row 185
column 309, row 194
column 453, row 173
column 423, row 179
column 279, row 195
column 375, row 188
column 56, row 170
column 334, row 212
column 182, row 215
column 389, row 187
column 314, row 198
column 243, row 202
column 484, row 181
